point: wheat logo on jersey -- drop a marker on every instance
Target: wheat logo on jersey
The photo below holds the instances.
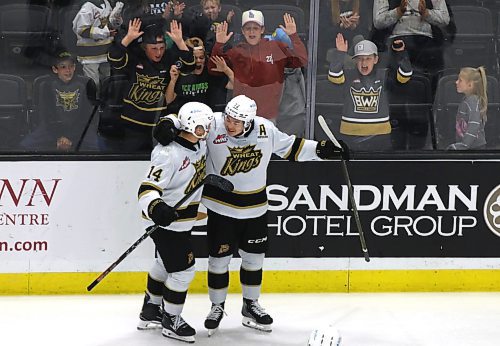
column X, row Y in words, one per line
column 68, row 100
column 366, row 101
column 200, row 169
column 241, row 160
column 185, row 163
column 148, row 90
column 220, row 139
column 491, row 211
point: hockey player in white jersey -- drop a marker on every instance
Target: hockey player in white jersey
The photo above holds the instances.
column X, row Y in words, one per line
column 175, row 169
column 239, row 148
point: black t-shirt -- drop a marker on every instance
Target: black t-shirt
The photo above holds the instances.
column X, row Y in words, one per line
column 191, row 88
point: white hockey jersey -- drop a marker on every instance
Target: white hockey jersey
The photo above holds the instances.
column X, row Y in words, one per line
column 243, row 161
column 174, row 171
column 91, row 26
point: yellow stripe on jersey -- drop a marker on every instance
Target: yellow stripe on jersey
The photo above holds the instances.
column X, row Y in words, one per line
column 122, row 58
column 364, row 129
column 336, row 78
column 402, row 76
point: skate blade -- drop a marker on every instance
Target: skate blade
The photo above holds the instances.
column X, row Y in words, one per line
column 212, row 331
column 148, row 325
column 248, row 322
column 169, row 334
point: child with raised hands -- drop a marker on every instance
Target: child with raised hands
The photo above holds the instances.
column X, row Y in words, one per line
column 365, row 119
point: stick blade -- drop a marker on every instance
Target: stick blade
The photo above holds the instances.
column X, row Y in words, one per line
column 220, row 182
column 328, row 132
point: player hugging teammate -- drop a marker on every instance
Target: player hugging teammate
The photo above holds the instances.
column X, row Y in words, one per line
column 239, row 148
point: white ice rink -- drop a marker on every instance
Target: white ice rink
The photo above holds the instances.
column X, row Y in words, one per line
column 413, row 319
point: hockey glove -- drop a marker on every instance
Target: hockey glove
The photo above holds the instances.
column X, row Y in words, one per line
column 161, row 213
column 165, row 131
column 327, row 150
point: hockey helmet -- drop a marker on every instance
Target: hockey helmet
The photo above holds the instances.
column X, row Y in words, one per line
column 242, row 108
column 192, row 115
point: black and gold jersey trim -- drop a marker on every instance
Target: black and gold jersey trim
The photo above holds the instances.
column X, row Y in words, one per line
column 147, row 187
column 293, row 154
column 188, row 213
column 235, row 199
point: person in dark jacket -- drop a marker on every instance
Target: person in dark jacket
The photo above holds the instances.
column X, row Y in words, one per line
column 148, row 74
column 64, row 107
column 203, row 24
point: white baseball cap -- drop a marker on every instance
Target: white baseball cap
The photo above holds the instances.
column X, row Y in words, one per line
column 252, row 16
column 365, row 47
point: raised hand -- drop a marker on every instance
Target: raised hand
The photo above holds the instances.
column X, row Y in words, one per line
column 290, row 27
column 134, row 28
column 220, row 63
column 230, row 16
column 402, row 7
column 175, row 32
column 221, row 35
column 179, row 9
column 134, row 31
column 422, row 8
column 340, row 43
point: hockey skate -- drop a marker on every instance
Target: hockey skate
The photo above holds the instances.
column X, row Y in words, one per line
column 175, row 327
column 150, row 316
column 254, row 316
column 214, row 317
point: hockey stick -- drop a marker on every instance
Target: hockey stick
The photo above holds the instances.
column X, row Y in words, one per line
column 80, row 140
column 210, row 179
column 330, row 135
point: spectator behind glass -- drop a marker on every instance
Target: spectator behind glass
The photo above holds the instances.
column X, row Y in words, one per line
column 151, row 10
column 202, row 24
column 148, row 74
column 95, row 25
column 422, row 24
column 66, row 103
column 351, row 18
column 365, row 123
column 259, row 63
column 471, row 114
column 197, row 85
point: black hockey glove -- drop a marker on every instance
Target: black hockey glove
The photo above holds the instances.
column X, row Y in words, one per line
column 161, row 213
column 327, row 150
column 165, row 131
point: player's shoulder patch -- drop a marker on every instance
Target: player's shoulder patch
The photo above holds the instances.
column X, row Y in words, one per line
column 221, row 138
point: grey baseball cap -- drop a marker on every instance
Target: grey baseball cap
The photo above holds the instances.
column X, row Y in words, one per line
column 365, row 47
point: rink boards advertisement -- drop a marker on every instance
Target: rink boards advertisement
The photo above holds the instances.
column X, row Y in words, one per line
column 80, row 216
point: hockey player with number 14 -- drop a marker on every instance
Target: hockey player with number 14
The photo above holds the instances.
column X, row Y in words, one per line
column 239, row 148
column 174, row 171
